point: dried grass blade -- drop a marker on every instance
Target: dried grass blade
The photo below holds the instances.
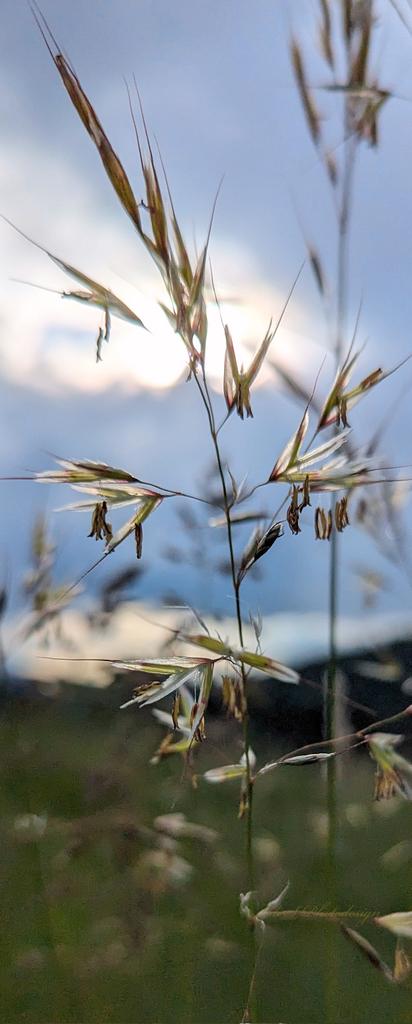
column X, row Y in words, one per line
column 184, row 264
column 326, row 33
column 112, row 165
column 199, row 274
column 360, row 60
column 289, row 455
column 262, row 351
column 308, row 103
column 368, row 951
column 79, row 471
column 231, row 372
column 317, row 269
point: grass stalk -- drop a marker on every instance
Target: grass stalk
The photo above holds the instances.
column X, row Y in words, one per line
column 214, row 434
column 251, row 996
column 331, row 697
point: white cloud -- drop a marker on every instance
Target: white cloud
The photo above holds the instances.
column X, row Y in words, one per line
column 48, row 344
column 138, row 630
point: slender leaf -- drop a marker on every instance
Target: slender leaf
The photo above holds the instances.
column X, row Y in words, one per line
column 368, row 951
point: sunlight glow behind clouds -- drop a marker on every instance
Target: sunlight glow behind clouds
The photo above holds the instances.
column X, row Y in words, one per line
column 48, row 344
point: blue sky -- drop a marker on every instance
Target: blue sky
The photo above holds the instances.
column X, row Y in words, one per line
column 219, row 95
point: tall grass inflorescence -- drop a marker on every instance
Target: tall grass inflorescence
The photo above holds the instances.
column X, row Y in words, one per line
column 329, row 465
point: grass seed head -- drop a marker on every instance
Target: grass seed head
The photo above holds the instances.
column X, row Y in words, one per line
column 323, row 524
column 101, row 529
column 325, row 33
column 308, row 104
column 305, row 502
column 341, row 514
column 138, row 534
column 394, row 773
column 293, row 513
column 112, row 165
column 232, row 698
column 402, row 965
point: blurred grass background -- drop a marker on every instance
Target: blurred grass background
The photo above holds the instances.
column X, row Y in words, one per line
column 110, row 918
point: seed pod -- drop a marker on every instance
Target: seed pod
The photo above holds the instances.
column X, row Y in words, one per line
column 323, row 524
column 200, row 732
column 341, row 514
column 232, row 698
column 243, row 803
column 316, row 265
column 138, row 533
column 361, row 511
column 292, row 514
column 100, row 528
column 329, row 525
column 342, row 413
column 319, row 524
column 100, row 337
column 306, row 494
column 331, row 168
column 176, row 709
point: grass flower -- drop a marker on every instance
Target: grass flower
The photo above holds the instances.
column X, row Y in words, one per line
column 394, row 772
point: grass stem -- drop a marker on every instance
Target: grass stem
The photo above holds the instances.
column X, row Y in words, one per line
column 207, row 402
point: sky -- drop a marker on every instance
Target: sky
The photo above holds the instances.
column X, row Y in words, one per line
column 220, row 99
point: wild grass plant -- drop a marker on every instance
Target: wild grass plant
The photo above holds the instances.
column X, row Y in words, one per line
column 322, row 484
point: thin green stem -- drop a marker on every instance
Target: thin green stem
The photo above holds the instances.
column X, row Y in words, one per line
column 360, row 734
column 322, row 915
column 247, row 1013
column 330, row 702
column 331, row 694
column 207, row 402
